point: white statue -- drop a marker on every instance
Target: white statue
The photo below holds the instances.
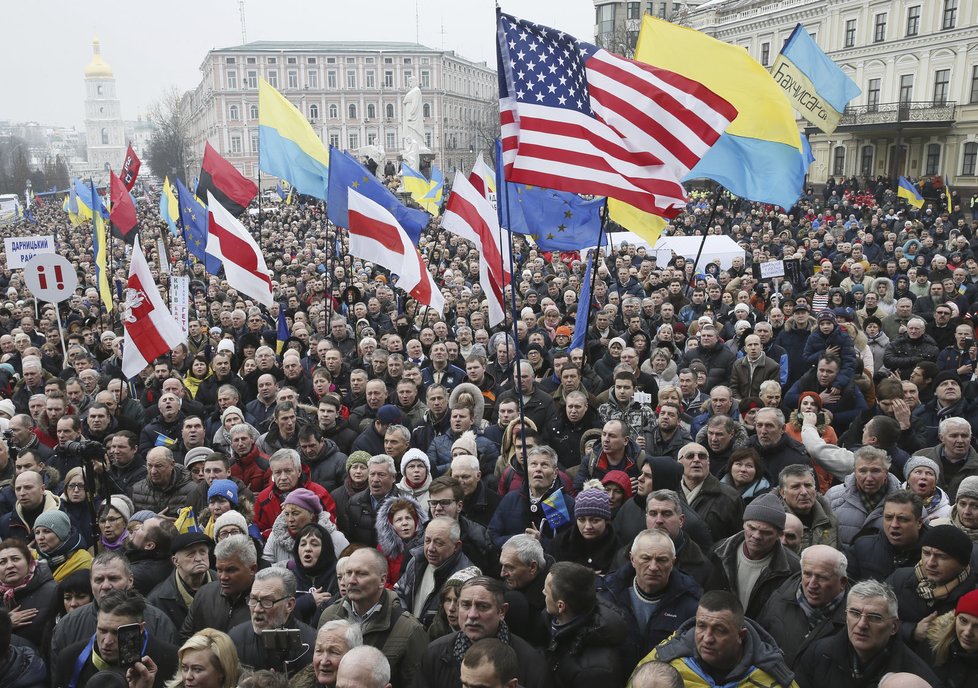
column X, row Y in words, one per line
column 412, row 126
column 375, row 153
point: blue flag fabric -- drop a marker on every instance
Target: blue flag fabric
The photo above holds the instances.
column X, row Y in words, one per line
column 193, row 217
column 283, row 330
column 280, row 191
column 583, row 306
column 346, row 172
column 555, row 510
column 556, row 220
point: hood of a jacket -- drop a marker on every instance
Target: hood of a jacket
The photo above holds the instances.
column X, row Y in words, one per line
column 389, row 541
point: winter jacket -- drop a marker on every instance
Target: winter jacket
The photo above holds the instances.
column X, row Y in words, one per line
column 149, row 567
column 481, row 504
column 585, row 652
column 12, row 523
column 720, row 506
column 657, row 445
column 80, row 625
column 268, row 503
column 783, row 564
column 175, row 495
column 252, row 469
column 829, row 662
column 938, row 506
column 745, row 381
column 913, row 608
column 390, row 543
column 157, row 427
column 279, row 544
column 251, row 650
column 24, row 668
column 904, row 353
column 596, row 464
column 718, row 361
column 850, row 404
column 36, row 594
column 167, row 598
column 538, row 407
column 516, row 513
column 213, row 609
column 761, row 664
column 328, row 468
column 63, row 666
column 407, row 587
column 440, row 453
column 793, row 339
column 786, row 452
column 677, row 602
column 815, row 348
column 872, row 556
column 931, row 416
column 439, row 669
column 960, row 668
column 636, row 416
column 597, row 554
column 784, row 618
column 966, row 468
column 911, row 439
column 847, row 505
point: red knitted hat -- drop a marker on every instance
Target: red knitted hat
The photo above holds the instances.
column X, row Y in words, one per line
column 813, row 395
column 968, row 604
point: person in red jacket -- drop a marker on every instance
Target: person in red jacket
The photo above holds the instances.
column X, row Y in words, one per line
column 250, row 464
column 288, row 473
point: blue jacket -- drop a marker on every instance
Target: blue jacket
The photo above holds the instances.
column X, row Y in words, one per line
column 453, row 376
column 793, row 341
column 440, row 453
column 515, row 514
column 816, row 345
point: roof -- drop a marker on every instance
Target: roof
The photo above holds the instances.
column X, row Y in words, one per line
column 328, row 47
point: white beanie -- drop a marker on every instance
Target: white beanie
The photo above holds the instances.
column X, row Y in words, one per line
column 414, row 454
column 230, row 518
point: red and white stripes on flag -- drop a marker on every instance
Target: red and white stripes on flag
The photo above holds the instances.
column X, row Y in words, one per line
column 483, row 179
column 377, row 236
column 577, row 118
column 233, row 245
column 469, row 215
column 151, row 331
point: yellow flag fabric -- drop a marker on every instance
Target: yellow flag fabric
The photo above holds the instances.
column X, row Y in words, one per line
column 101, row 267
column 646, row 225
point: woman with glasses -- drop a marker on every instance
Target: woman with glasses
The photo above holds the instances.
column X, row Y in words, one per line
column 113, row 519
column 74, row 502
column 59, row 545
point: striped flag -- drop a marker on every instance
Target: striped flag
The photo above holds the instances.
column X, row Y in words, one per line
column 577, row 118
column 232, row 244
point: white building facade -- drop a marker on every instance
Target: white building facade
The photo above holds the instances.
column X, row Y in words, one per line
column 351, row 93
column 104, row 128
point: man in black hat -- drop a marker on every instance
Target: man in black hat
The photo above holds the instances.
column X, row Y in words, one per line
column 190, row 554
column 949, row 401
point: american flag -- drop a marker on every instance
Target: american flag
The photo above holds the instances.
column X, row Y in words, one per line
column 577, row 118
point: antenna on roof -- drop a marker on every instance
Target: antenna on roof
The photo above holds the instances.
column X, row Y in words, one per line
column 244, row 28
column 417, row 22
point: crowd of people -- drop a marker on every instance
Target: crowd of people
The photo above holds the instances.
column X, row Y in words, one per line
column 733, row 481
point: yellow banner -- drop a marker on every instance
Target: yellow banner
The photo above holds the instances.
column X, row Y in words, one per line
column 801, row 92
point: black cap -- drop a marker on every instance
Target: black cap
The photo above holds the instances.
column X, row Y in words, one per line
column 185, row 540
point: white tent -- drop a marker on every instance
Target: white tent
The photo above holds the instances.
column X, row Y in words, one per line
column 718, row 249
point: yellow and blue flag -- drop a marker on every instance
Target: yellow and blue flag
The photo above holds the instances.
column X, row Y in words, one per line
column 100, row 254
column 287, row 145
column 280, row 192
column 645, row 225
column 947, row 195
column 437, row 188
column 814, row 84
column 186, row 521
column 760, row 156
column 169, row 207
column 283, row 330
column 555, row 509
column 418, row 186
column 909, row 192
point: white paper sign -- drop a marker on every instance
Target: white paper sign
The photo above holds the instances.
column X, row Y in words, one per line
column 20, row 250
column 772, row 268
column 180, row 299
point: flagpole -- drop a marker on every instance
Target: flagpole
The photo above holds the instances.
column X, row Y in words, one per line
column 709, row 224
column 590, row 295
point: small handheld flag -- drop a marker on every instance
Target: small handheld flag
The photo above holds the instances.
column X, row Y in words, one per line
column 555, row 510
column 909, row 192
column 283, row 330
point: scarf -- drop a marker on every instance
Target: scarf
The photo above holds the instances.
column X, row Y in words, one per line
column 9, row 591
column 872, row 501
column 818, row 615
column 462, row 642
column 186, row 594
column 930, row 592
column 116, row 544
column 63, row 552
column 970, row 532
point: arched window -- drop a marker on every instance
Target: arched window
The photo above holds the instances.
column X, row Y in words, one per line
column 389, row 111
column 334, row 111
column 371, row 110
column 253, row 112
column 351, row 110
column 426, row 110
column 233, row 113
column 313, row 111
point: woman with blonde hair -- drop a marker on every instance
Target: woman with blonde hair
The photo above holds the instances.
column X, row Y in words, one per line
column 208, row 656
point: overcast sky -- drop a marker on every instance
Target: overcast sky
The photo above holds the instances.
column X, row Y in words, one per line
column 150, row 46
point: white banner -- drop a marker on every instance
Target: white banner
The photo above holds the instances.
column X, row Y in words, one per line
column 20, row 250
column 180, row 299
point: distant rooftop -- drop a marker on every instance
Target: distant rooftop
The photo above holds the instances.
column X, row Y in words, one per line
column 329, row 46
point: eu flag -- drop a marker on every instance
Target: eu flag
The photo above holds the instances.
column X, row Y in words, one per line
column 193, row 217
column 345, row 172
column 556, row 220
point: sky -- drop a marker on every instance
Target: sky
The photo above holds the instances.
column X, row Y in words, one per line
column 152, row 46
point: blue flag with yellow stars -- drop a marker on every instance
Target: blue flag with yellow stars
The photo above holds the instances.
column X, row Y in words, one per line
column 555, row 510
column 556, row 220
column 346, row 172
column 193, row 218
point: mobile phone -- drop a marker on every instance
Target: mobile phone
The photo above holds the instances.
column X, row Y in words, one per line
column 282, row 639
column 130, row 639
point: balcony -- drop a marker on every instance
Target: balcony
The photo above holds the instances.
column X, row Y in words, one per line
column 908, row 114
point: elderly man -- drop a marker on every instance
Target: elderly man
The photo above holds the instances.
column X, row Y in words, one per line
column 333, row 641
column 271, row 603
column 719, row 646
column 906, row 350
column 479, row 501
column 747, row 374
column 360, row 515
column 935, row 585
column 720, row 403
column 878, row 553
column 718, row 504
column 250, row 464
column 948, row 402
column 167, row 486
column 190, row 554
column 798, row 490
column 384, row 624
column 721, row 436
column 446, row 499
column 858, row 502
column 521, row 511
column 287, row 474
column 653, row 594
column 538, row 406
column 429, row 567
column 860, row 655
column 955, row 454
column 753, row 563
column 32, row 501
column 809, row 605
column 776, row 448
column 364, row 667
column 223, row 603
column 164, row 430
column 523, row 570
column 481, row 614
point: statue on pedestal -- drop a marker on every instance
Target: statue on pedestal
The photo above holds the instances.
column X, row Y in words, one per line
column 412, row 127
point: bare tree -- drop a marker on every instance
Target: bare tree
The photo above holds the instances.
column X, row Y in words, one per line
column 169, row 145
column 487, row 127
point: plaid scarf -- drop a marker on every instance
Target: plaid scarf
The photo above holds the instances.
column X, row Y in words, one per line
column 816, row 616
column 872, row 501
column 462, row 642
column 930, row 592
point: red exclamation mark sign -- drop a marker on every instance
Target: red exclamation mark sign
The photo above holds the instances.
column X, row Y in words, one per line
column 42, row 277
column 59, row 280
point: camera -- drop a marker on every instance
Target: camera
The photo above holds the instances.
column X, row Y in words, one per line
column 86, row 449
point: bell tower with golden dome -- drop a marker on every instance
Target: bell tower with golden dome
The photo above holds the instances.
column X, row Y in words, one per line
column 103, row 117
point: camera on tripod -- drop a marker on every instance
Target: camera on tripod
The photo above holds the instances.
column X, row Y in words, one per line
column 85, row 449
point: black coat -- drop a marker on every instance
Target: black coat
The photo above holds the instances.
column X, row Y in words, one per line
column 63, row 666
column 720, row 506
column 783, row 564
column 481, row 505
column 168, row 599
column 440, row 670
column 213, row 609
column 252, row 653
column 786, row 452
column 36, row 595
column 784, row 619
column 872, row 556
column 149, row 567
column 913, row 608
column 329, row 467
column 358, row 520
column 587, row 651
column 597, row 555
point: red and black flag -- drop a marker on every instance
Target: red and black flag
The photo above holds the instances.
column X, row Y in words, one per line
column 130, row 168
column 123, row 213
column 233, row 190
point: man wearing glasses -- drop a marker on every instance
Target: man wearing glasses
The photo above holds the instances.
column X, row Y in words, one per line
column 719, row 505
column 271, row 603
column 867, row 649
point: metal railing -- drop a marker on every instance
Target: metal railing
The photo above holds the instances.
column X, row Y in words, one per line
column 915, row 111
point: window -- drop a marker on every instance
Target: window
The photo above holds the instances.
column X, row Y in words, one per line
column 254, row 142
column 950, row 16
column 229, row 60
column 232, row 78
column 839, row 160
column 425, row 79
column 334, row 140
column 974, row 85
column 906, row 88
column 371, row 79
column 388, row 60
column 933, row 160
column 252, row 60
column 372, row 139
column 291, row 60
column 331, row 79
column 879, row 28
column 293, row 79
column 408, row 75
column 942, row 78
column 426, row 110
column 970, row 158
column 351, row 110
column 98, row 89
column 866, row 161
column 389, row 111
column 351, row 60
column 388, row 78
column 765, row 53
column 391, row 140
column 312, row 79
column 407, row 60
column 310, row 60
column 634, row 10
column 368, row 60
column 353, row 141
column 251, row 81
column 351, row 78
column 605, row 19
column 850, row 39
column 371, row 110
column 273, row 78
column 873, row 94
column 913, row 20
column 105, row 137
column 313, row 111
column 427, row 139
column 233, row 113
column 236, row 144
column 334, row 111
column 252, row 112
column 272, row 60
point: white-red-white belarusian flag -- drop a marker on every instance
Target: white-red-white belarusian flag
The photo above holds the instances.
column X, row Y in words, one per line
column 151, row 331
column 377, row 236
column 233, row 245
column 483, row 179
column 469, row 215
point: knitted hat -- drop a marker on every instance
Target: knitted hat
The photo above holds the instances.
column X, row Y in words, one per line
column 229, row 410
column 968, row 488
column 358, row 456
column 223, row 488
column 813, row 396
column 950, row 540
column 230, row 518
column 196, row 455
column 55, row 521
column 7, row 408
column 465, row 574
column 946, row 375
column 968, row 604
column 186, row 540
column 563, row 331
column 617, row 340
column 858, row 287
column 304, row 499
column 123, row 505
column 413, row 454
column 388, row 414
column 466, row 442
column 767, row 509
column 142, row 516
column 619, row 478
column 921, row 462
column 226, row 345
column 827, row 315
column 593, row 503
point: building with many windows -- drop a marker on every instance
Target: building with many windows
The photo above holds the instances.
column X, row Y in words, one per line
column 617, row 22
column 351, row 93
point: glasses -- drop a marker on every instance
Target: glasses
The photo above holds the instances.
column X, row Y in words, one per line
column 441, row 502
column 76, row 486
column 856, row 616
column 701, row 456
column 264, row 602
column 226, row 533
column 106, row 520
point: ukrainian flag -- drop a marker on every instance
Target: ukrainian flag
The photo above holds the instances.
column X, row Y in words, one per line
column 908, row 191
column 287, row 145
column 760, row 156
column 169, row 207
column 283, row 330
column 418, row 186
column 436, row 188
column 100, row 253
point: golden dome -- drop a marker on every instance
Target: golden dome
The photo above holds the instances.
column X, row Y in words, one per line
column 97, row 68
